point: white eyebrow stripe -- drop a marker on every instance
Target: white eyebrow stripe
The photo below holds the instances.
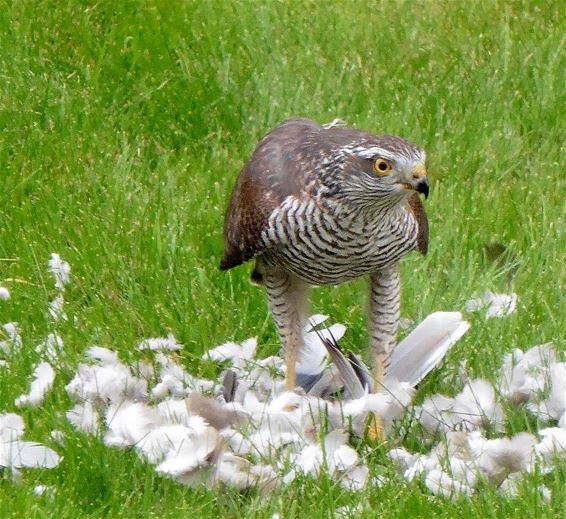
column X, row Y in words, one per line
column 367, row 153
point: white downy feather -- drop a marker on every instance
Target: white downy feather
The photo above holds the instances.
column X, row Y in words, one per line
column 168, row 343
column 441, row 483
column 107, row 383
column 102, row 356
column 435, row 413
column 553, row 443
column 129, row 422
column 174, row 411
column 55, row 308
column 402, row 458
column 84, row 418
column 495, row 305
column 159, row 442
column 523, row 375
column 14, row 340
column 556, row 401
column 44, row 375
column 238, row 472
column 60, row 270
column 189, row 463
column 238, row 443
column 237, row 354
column 476, row 406
column 4, row 294
column 500, row 457
column 51, row 347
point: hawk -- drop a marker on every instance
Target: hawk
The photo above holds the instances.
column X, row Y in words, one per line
column 325, row 204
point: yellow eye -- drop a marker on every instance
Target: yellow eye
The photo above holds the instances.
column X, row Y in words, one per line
column 382, row 167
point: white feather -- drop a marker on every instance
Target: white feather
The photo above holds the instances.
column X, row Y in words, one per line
column 355, row 478
column 129, row 422
column 84, row 418
column 60, row 269
column 495, row 305
column 107, row 383
column 168, row 343
column 525, row 374
column 103, row 356
column 174, row 411
column 435, row 413
column 553, row 443
column 237, row 354
column 441, row 483
column 197, row 452
column 425, row 347
column 4, row 294
column 14, row 341
column 402, row 458
column 556, row 401
column 11, row 427
column 476, row 406
column 20, row 454
column 44, row 375
column 159, row 442
column 313, row 353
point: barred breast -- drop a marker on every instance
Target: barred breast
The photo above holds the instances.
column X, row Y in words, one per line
column 324, row 243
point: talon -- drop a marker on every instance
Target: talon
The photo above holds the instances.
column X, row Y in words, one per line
column 375, row 432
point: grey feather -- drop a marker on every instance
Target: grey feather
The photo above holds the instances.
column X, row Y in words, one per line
column 229, row 385
column 362, row 371
column 352, row 383
column 307, row 381
column 329, row 383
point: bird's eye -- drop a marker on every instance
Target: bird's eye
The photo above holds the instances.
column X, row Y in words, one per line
column 382, row 167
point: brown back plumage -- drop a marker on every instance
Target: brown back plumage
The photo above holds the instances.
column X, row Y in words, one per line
column 266, row 180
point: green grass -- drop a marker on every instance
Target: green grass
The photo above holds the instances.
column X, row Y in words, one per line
column 123, row 126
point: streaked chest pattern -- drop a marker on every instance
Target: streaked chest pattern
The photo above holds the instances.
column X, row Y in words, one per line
column 321, row 243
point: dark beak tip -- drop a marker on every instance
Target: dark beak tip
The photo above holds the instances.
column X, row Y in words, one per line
column 422, row 187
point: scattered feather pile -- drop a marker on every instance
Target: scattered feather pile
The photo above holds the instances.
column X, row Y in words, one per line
column 244, row 430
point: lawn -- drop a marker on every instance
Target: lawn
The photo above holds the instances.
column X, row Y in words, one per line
column 123, row 127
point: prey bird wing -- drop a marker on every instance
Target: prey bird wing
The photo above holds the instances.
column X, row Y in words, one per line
column 329, row 383
column 349, row 375
column 423, row 349
column 362, row 371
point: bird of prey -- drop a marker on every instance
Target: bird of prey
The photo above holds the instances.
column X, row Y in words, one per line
column 325, row 204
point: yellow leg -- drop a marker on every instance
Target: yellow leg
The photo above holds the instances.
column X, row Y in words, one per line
column 287, row 298
column 290, row 374
column 375, row 432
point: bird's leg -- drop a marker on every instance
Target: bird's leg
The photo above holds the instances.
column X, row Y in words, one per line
column 287, row 297
column 384, row 319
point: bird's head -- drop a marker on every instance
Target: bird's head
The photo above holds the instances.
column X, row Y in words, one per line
column 383, row 169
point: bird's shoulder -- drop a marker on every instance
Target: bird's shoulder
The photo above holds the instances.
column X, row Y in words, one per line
column 280, row 168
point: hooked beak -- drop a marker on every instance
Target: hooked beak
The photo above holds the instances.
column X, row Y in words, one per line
column 419, row 181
